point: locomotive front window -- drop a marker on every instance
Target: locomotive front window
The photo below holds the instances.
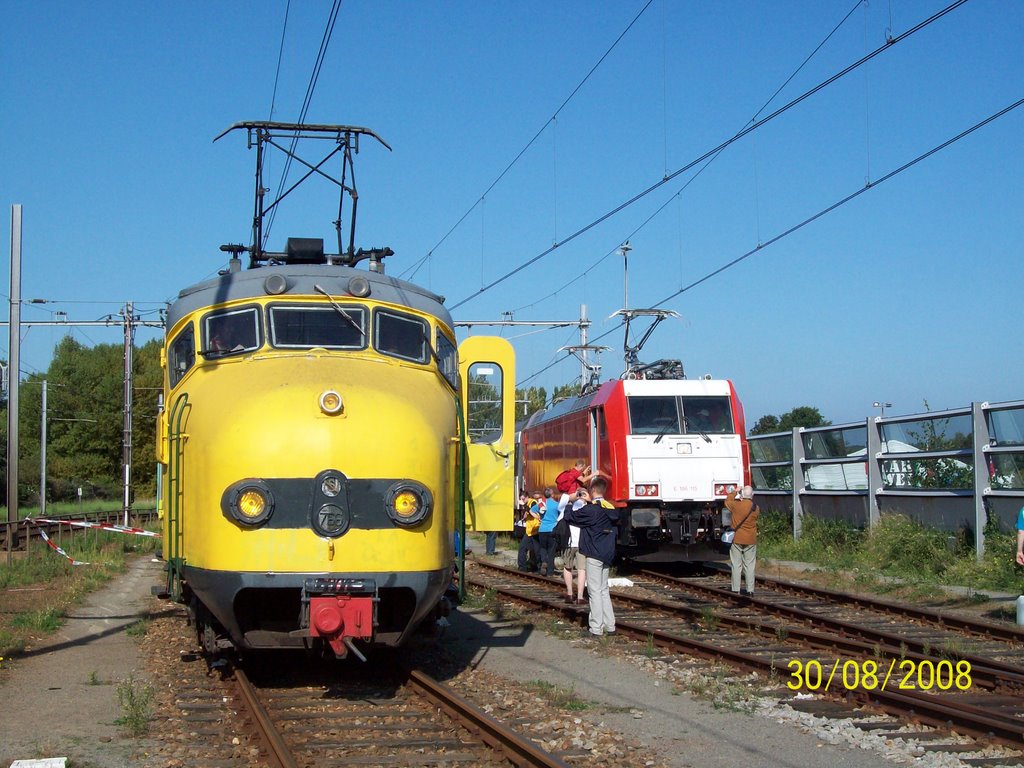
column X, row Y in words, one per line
column 401, row 336
column 305, row 327
column 182, row 355
column 653, row 416
column 707, row 415
column 447, row 360
column 231, row 333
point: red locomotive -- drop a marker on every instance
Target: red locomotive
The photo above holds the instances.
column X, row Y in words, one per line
column 672, row 448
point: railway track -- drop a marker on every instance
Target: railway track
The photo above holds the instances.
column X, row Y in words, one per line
column 411, row 720
column 366, row 718
column 838, row 658
column 912, row 628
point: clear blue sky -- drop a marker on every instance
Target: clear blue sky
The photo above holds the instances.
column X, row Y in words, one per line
column 910, row 293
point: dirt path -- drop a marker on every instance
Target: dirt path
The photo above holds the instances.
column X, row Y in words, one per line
column 61, row 695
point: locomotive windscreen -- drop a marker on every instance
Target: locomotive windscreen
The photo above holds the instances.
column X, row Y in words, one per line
column 661, row 415
column 326, row 327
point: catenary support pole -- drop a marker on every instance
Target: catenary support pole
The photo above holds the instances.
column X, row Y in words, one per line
column 14, row 364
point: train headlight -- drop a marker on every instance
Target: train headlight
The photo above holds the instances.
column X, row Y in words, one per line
column 249, row 502
column 330, row 402
column 359, row 286
column 408, row 503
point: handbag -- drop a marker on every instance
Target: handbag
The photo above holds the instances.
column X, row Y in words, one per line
column 730, row 533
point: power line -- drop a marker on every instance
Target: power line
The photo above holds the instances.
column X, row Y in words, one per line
column 703, row 168
column 810, row 219
column 416, row 267
column 280, row 56
column 310, row 87
column 754, row 125
column 869, row 185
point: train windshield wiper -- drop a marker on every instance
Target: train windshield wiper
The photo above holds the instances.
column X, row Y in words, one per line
column 342, row 312
column 664, row 431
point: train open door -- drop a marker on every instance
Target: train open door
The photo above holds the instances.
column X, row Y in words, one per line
column 488, row 383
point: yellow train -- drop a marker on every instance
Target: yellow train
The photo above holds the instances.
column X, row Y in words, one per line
column 321, row 437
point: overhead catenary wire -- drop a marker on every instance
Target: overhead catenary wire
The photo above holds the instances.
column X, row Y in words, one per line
column 410, row 273
column 280, row 56
column 753, row 126
column 678, row 195
column 839, row 203
column 811, row 219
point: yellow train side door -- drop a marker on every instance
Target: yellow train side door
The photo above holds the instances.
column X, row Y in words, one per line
column 488, row 392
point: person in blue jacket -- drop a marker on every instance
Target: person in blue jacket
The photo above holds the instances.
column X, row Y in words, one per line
column 598, row 522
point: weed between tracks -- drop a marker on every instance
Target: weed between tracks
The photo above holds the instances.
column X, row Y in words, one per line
column 559, row 696
column 135, row 700
column 724, row 691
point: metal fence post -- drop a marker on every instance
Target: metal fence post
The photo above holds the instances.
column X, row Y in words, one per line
column 981, row 439
column 874, row 460
column 799, row 482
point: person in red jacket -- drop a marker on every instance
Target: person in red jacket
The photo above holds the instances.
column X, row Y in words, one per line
column 743, row 552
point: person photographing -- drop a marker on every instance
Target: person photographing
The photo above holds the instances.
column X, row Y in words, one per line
column 743, row 552
column 598, row 521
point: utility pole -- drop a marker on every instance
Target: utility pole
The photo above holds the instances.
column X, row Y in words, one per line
column 129, row 322
column 42, row 454
column 589, row 372
column 14, row 345
column 129, row 381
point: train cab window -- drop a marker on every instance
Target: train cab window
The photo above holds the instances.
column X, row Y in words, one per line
column 484, row 411
column 181, row 355
column 602, row 425
column 306, row 326
column 653, row 416
column 448, row 360
column 707, row 415
column 401, row 336
column 231, row 333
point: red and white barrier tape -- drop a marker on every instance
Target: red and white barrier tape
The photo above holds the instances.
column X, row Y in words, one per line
column 60, row 551
column 83, row 524
column 101, row 526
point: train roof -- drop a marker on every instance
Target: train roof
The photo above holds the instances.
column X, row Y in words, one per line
column 302, row 281
column 638, row 387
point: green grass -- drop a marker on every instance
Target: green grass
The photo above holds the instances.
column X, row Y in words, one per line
column 559, row 696
column 65, row 584
column 137, row 629
column 897, row 547
column 43, row 620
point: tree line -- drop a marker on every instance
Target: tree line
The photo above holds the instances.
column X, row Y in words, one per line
column 85, row 424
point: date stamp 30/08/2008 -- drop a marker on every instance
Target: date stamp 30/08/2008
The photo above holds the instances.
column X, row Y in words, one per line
column 870, row 675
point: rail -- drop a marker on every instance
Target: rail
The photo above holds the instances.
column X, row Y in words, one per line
column 956, row 470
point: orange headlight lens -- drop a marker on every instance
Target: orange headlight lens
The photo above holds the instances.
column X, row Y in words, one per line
column 408, row 503
column 252, row 503
column 249, row 502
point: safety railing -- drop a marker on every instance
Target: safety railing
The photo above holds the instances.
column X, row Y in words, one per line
column 954, row 469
